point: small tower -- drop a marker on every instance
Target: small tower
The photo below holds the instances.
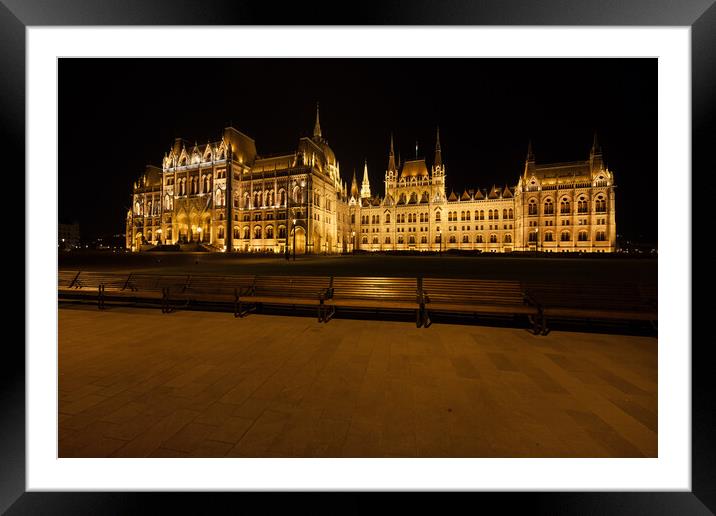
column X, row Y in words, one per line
column 365, row 185
column 317, row 127
column 438, row 176
column 391, row 175
column 529, row 161
column 596, row 161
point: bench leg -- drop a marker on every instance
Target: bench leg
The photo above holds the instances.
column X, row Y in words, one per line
column 328, row 315
column 426, row 318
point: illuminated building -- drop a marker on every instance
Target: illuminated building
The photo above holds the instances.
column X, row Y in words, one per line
column 190, row 202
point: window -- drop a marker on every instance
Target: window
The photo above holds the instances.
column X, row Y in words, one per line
column 465, row 239
column 582, row 236
column 375, row 239
column 478, row 239
column 221, row 231
column 548, row 207
column 532, row 236
column 401, row 239
column 437, row 216
column 453, row 240
column 364, row 240
column 353, row 218
column 511, row 214
column 423, row 239
column 257, row 232
column 462, row 216
column 532, row 208
column 549, row 236
column 269, row 232
column 493, row 238
column 246, row 232
column 508, row 238
column 489, row 216
column 236, row 232
column 387, row 219
column 565, row 237
column 564, row 206
column 600, row 204
column 387, row 240
column 601, row 236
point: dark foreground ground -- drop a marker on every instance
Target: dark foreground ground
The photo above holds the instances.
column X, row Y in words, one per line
column 139, row 383
column 609, row 269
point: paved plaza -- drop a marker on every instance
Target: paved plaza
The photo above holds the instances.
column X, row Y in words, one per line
column 139, row 383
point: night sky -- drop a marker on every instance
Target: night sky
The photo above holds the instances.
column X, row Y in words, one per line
column 117, row 115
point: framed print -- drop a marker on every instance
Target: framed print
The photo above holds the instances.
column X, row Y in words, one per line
column 419, row 253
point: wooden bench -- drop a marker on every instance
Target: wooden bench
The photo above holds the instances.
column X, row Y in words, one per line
column 475, row 296
column 65, row 279
column 219, row 290
column 294, row 291
column 93, row 286
column 369, row 293
column 155, row 288
column 591, row 301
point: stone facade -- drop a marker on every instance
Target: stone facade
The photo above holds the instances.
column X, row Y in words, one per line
column 224, row 196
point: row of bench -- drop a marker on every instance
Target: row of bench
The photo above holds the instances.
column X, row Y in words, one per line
column 327, row 294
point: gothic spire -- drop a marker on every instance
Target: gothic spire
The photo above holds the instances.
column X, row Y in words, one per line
column 317, row 126
column 438, row 151
column 354, row 185
column 596, row 148
column 365, row 185
column 530, row 152
column 391, row 156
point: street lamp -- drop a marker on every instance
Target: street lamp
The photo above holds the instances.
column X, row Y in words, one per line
column 353, row 246
column 294, row 240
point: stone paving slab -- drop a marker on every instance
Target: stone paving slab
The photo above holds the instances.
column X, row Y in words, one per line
column 139, row 383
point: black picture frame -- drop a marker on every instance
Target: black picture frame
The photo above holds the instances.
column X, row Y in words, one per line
column 17, row 15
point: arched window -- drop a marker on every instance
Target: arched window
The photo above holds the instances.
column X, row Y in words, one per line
column 548, row 207
column 375, row 239
column 504, row 213
column 387, row 240
column 437, row 216
column 364, row 240
column 489, row 215
column 549, row 236
column 247, row 200
column 387, row 219
column 600, row 204
column 413, row 198
column 467, row 215
column 497, row 214
column 493, row 238
column 257, row 199
column 465, row 239
column 257, row 232
column 401, row 199
column 564, row 206
column 478, row 239
column 221, row 231
column 297, row 194
column 581, row 205
column 511, row 213
column 425, row 197
column 411, row 239
column 532, row 207
column 353, row 218
column 219, row 197
column 401, row 239
column 565, row 237
column 508, row 238
column 462, row 215
column 532, row 236
column 236, row 232
column 246, row 232
column 452, row 239
column 269, row 232
column 482, row 214
column 601, row 236
column 582, row 236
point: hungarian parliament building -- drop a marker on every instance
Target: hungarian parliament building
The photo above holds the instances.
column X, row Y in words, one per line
column 223, row 196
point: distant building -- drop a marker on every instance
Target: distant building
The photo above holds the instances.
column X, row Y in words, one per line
column 68, row 235
column 223, row 195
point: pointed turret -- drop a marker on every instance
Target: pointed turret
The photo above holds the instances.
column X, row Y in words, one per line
column 365, row 185
column 438, row 152
column 317, row 126
column 530, row 160
column 391, row 157
column 354, row 186
column 596, row 162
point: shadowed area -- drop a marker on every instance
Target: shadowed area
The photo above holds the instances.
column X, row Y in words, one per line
column 138, row 383
column 609, row 269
